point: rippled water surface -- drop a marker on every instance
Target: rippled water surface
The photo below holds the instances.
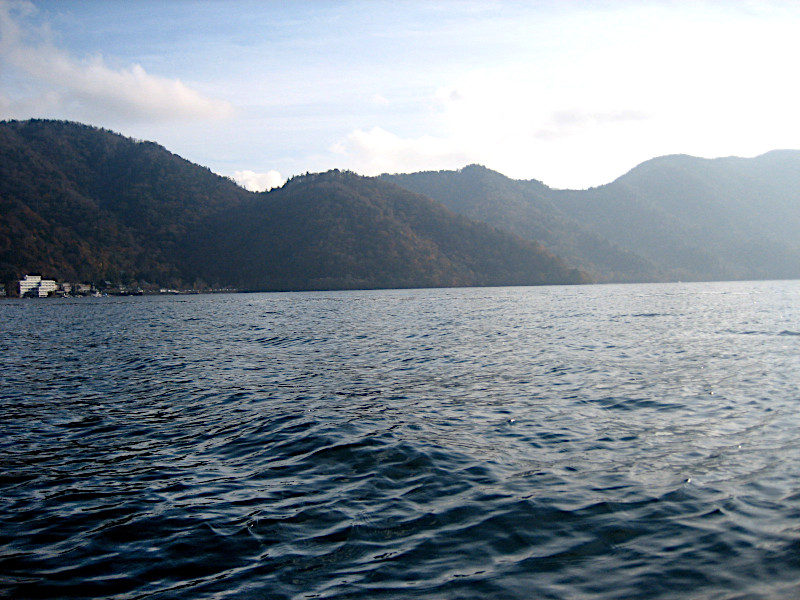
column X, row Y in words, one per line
column 635, row 441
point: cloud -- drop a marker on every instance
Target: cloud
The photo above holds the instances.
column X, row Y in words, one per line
column 258, row 182
column 508, row 119
column 520, row 104
column 566, row 122
column 379, row 151
column 51, row 80
column 576, row 107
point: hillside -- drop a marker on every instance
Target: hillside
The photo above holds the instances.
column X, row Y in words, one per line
column 81, row 203
column 340, row 230
column 726, row 218
column 528, row 209
column 671, row 218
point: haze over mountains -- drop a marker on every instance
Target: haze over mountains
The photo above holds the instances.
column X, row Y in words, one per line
column 81, row 203
column 670, row 218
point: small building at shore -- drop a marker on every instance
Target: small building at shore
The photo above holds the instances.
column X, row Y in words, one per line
column 34, row 285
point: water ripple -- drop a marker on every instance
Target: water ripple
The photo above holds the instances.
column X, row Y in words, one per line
column 610, row 441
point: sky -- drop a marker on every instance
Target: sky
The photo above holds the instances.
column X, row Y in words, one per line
column 571, row 93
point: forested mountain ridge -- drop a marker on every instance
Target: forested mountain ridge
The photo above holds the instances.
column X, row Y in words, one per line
column 670, row 218
column 341, row 230
column 528, row 209
column 700, row 219
column 82, row 203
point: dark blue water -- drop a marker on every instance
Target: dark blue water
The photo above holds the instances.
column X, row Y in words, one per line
column 557, row 442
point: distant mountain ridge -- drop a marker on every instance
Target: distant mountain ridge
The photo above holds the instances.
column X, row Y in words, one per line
column 670, row 218
column 699, row 219
column 82, row 203
column 528, row 209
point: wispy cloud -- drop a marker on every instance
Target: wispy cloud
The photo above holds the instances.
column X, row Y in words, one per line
column 566, row 122
column 89, row 86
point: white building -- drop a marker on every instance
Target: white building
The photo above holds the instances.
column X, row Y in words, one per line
column 34, row 285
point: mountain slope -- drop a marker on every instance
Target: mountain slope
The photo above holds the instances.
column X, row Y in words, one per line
column 528, row 209
column 340, row 230
column 728, row 218
column 81, row 203
column 670, row 218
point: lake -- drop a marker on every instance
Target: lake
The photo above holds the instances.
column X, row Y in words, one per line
column 620, row 441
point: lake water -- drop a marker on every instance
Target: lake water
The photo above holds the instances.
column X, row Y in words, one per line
column 632, row 441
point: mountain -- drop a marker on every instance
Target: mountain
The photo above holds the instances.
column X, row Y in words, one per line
column 670, row 218
column 340, row 230
column 699, row 219
column 81, row 203
column 529, row 209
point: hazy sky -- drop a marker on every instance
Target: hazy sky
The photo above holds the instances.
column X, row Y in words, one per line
column 573, row 93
